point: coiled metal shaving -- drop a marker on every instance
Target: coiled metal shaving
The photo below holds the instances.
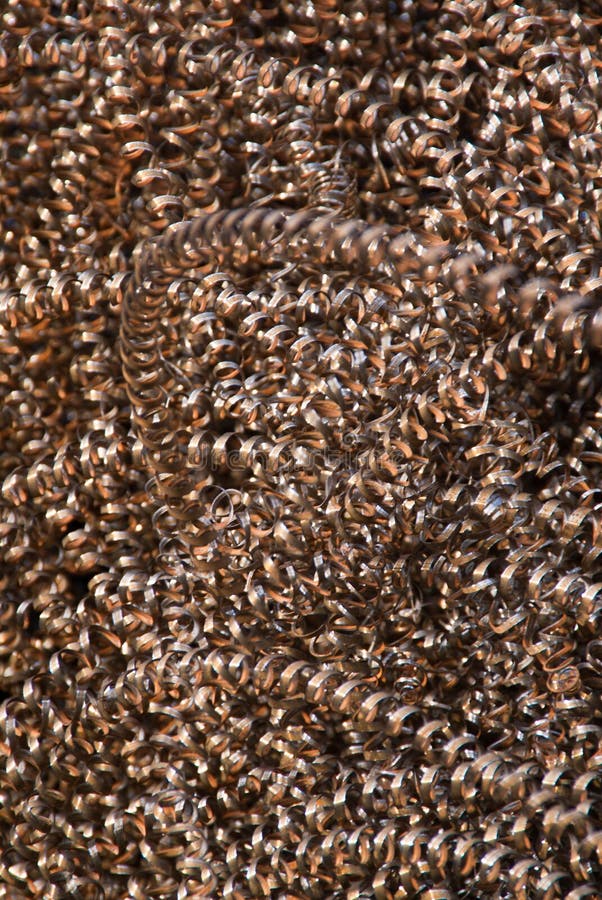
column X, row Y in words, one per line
column 300, row 417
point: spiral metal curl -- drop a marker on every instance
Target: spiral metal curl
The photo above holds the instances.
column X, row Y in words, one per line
column 300, row 411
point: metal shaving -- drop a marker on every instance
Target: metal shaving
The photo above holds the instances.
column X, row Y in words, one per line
column 301, row 449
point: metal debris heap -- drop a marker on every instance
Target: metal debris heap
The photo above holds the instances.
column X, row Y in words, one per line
column 301, row 469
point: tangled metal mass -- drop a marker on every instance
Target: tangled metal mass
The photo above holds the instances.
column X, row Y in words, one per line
column 301, row 449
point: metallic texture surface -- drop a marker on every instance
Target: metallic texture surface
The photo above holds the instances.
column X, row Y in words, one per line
column 301, row 449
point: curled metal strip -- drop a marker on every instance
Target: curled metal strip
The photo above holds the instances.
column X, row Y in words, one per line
column 300, row 399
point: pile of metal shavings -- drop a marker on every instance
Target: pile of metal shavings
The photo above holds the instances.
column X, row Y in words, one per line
column 301, row 450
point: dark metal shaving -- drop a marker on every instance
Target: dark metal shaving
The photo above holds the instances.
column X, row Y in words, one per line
column 301, row 410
